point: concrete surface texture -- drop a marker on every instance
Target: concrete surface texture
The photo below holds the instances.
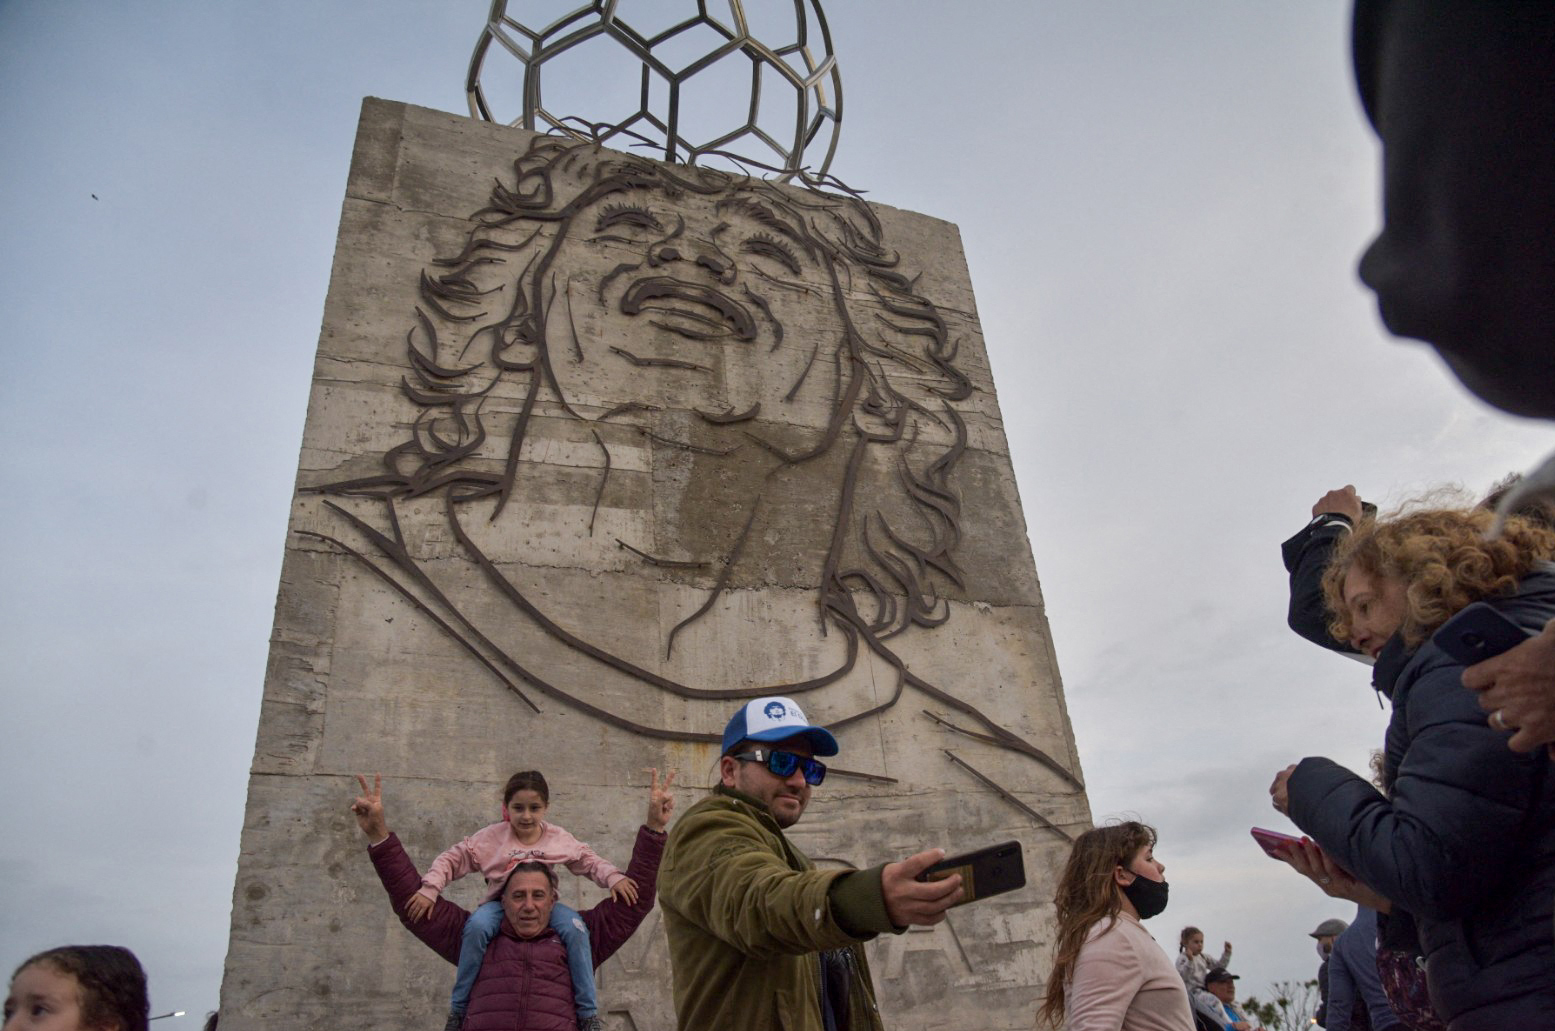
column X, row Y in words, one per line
column 597, row 448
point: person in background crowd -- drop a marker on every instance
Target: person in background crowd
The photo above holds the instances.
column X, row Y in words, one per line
column 1192, row 964
column 1464, row 839
column 1355, row 998
column 79, row 988
column 1108, row 972
column 1326, row 933
column 1223, row 1010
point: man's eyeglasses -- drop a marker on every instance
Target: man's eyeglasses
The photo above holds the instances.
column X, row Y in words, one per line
column 783, row 764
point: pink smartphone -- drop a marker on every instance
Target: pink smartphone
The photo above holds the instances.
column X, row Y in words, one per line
column 1273, row 842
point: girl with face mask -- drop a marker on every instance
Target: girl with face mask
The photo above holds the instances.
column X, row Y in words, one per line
column 1108, row 972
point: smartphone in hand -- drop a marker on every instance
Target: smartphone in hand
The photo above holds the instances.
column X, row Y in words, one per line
column 1273, row 842
column 1478, row 632
column 988, row 871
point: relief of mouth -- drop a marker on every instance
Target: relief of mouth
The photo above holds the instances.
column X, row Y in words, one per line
column 688, row 304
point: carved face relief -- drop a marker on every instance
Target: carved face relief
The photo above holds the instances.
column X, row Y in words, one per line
column 707, row 304
column 716, row 404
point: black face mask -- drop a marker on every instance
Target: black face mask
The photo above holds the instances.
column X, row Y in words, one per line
column 1148, row 897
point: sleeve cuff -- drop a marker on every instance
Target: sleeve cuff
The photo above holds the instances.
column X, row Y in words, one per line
column 858, row 904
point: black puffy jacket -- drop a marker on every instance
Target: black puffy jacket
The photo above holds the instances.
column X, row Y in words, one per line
column 1465, row 841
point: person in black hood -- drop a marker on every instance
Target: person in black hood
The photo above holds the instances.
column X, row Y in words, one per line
column 1464, row 838
column 1461, row 94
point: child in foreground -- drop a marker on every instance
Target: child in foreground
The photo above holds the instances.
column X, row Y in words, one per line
column 523, row 835
column 78, row 988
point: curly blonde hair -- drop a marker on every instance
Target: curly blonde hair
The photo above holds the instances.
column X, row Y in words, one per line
column 1086, row 894
column 1443, row 560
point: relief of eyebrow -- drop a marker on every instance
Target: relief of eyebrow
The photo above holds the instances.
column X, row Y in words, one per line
column 723, row 393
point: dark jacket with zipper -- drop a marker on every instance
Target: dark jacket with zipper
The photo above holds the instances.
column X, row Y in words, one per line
column 1465, row 840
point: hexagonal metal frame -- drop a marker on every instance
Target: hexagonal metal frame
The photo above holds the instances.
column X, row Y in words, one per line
column 533, row 47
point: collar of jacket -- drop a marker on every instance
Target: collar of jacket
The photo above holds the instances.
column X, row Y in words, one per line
column 1391, row 661
column 762, row 811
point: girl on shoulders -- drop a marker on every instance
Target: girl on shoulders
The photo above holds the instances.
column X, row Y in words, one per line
column 522, row 835
column 1192, row 964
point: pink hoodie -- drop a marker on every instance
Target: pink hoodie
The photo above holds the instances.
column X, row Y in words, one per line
column 495, row 850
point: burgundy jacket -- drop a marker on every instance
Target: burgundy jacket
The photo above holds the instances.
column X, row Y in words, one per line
column 527, row 980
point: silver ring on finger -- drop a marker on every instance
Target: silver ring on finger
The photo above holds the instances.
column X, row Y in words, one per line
column 1325, row 880
column 1499, row 721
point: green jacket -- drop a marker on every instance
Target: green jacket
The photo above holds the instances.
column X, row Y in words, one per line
column 747, row 917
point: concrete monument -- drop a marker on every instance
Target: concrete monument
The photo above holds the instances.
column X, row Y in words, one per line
column 597, row 447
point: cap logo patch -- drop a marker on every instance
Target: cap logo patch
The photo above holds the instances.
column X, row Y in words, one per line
column 775, row 711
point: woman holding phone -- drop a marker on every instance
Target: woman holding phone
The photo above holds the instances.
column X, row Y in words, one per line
column 1462, row 837
column 1109, row 974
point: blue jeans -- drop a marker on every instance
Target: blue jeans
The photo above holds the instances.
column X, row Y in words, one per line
column 482, row 927
column 574, row 933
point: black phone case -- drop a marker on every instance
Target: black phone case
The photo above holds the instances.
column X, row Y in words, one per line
column 987, row 871
column 1476, row 633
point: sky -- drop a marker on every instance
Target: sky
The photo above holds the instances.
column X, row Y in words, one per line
column 1161, row 205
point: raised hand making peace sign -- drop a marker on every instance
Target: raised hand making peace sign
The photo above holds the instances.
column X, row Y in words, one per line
column 660, row 802
column 368, row 809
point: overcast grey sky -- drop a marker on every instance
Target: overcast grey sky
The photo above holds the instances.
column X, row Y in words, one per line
column 1161, row 207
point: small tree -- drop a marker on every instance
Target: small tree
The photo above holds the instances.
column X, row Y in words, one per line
column 1266, row 1013
column 1292, row 1007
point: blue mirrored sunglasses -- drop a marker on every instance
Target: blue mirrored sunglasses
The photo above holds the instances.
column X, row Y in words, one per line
column 783, row 764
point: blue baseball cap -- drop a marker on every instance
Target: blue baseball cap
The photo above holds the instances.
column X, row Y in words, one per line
column 775, row 719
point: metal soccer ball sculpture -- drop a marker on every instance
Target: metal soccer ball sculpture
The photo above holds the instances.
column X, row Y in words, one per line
column 791, row 116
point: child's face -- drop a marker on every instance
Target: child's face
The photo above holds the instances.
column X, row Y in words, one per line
column 43, row 999
column 1195, row 944
column 524, row 811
